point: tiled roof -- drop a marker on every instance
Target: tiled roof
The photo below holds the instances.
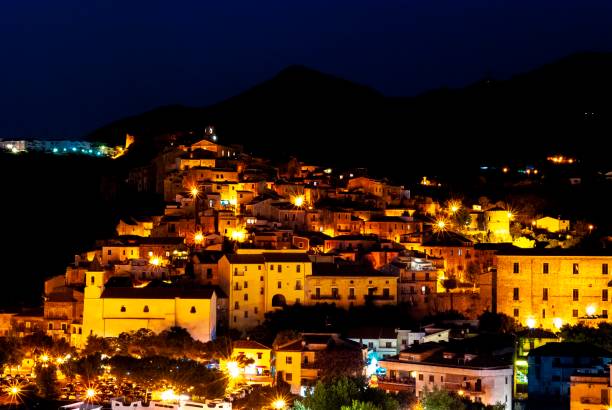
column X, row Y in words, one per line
column 248, row 344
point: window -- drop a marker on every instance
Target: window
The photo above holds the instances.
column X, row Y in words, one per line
column 123, row 308
column 543, row 313
column 604, row 313
column 297, row 268
column 259, row 355
column 192, row 310
column 236, row 305
column 288, row 377
column 246, row 314
column 515, row 267
column 545, row 294
column 146, row 309
column 420, row 377
column 386, row 293
column 516, row 313
column 459, row 251
column 209, row 273
column 575, row 268
column 388, row 344
column 426, row 275
column 271, row 267
column 261, row 291
column 280, row 268
column 110, row 252
column 604, row 295
column 351, row 293
column 246, row 284
column 261, row 278
column 431, row 378
column 259, row 268
column 545, row 267
column 370, row 345
column 575, row 294
column 50, row 326
column 92, row 280
column 575, row 313
column 515, row 294
column 604, row 268
column 255, row 310
column 334, row 292
column 288, row 360
column 279, row 284
column 246, row 297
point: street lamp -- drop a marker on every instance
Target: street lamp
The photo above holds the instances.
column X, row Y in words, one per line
column 279, row 404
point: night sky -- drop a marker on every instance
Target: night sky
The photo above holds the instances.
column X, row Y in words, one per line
column 68, row 67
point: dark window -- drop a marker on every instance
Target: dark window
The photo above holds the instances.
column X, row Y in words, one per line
column 431, row 379
column 575, row 268
column 420, row 377
column 575, row 294
column 259, row 355
column 279, row 284
column 604, row 313
column 543, row 313
column 123, row 308
column 246, row 284
column 288, row 377
column 280, row 268
column 50, row 326
column 515, row 294
column 236, row 305
column 516, row 312
column 545, row 294
column 261, row 278
column 386, row 292
column 246, row 296
column 604, row 295
column 192, row 310
column 545, row 268
column 146, row 309
column 297, row 268
column 93, row 280
column 575, row 313
column 515, row 267
column 209, row 273
column 246, row 314
column 604, row 268
column 288, row 360
column 261, row 291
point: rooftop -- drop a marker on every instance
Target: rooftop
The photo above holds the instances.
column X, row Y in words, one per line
column 570, row 349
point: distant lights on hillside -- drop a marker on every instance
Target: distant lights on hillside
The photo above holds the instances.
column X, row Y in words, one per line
column 560, row 159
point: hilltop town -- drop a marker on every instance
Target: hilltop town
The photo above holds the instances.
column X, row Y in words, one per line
column 293, row 265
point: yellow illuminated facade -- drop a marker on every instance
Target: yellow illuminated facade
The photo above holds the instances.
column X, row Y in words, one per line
column 108, row 312
column 257, row 372
column 258, row 281
column 551, row 288
column 590, row 391
column 351, row 290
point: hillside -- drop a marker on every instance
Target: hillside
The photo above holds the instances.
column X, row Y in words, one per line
column 330, row 120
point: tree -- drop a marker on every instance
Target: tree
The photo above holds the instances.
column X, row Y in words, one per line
column 360, row 405
column 497, row 323
column 334, row 362
column 461, row 219
column 441, row 400
column 343, row 392
column 11, row 352
column 46, row 380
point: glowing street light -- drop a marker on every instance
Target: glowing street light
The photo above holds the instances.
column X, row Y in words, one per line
column 194, row 191
column 590, row 310
column 90, row 393
column 168, row 395
column 531, row 322
column 558, row 322
column 298, row 200
column 279, row 404
column 198, row 238
column 44, row 358
column 155, row 261
column 233, row 370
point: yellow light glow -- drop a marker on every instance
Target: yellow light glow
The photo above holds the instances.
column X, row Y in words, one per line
column 591, row 227
column 233, row 370
column 413, row 374
column 239, row 236
column 510, row 214
column 298, row 200
column 198, row 237
column 155, row 261
column 531, row 322
column 90, row 393
column 59, row 360
column 44, row 358
column 14, row 390
column 440, row 225
column 558, row 322
column 522, row 363
column 590, row 310
column 194, row 191
column 505, row 169
column 454, row 206
column 168, row 395
column 279, row 404
column 460, row 392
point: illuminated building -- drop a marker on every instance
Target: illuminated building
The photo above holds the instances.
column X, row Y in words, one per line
column 592, row 389
column 551, row 287
column 348, row 284
column 497, row 224
column 135, row 226
column 392, row 227
column 258, row 281
column 553, row 224
column 259, row 371
column 456, row 250
column 476, row 373
column 116, row 306
column 296, row 361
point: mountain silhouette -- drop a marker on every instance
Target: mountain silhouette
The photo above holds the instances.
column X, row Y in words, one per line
column 562, row 107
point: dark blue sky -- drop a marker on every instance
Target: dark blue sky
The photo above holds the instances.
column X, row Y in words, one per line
column 68, row 67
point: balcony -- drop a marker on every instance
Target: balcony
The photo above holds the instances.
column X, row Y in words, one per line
column 325, row 297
